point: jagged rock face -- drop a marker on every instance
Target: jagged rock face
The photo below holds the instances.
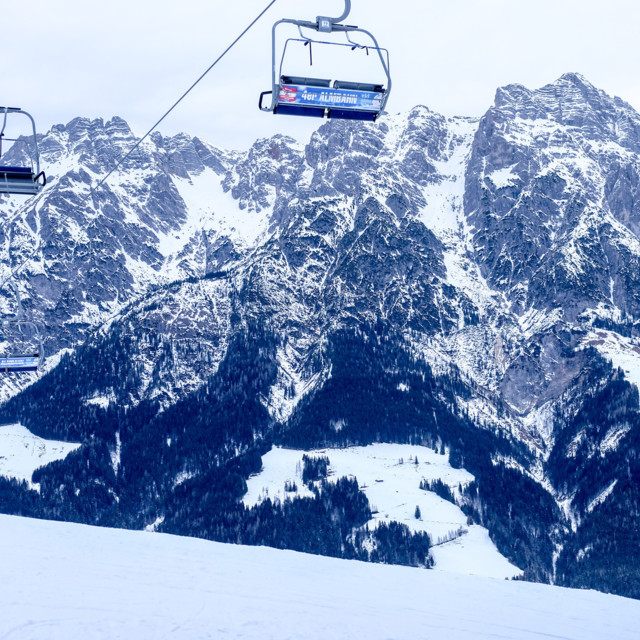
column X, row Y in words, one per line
column 348, row 247
column 430, row 224
column 94, row 252
column 487, row 242
column 499, row 249
column 551, row 193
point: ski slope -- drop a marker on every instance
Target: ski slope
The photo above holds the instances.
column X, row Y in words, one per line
column 390, row 476
column 62, row 581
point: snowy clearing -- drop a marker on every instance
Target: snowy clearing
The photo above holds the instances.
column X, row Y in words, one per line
column 390, row 477
column 62, row 581
column 620, row 351
column 21, row 453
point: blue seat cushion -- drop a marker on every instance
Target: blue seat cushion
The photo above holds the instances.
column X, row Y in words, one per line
column 345, row 114
column 293, row 110
column 16, row 170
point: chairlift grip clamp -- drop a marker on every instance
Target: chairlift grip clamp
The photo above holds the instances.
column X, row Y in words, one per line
column 325, row 24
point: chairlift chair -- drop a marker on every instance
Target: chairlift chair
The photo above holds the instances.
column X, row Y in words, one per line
column 319, row 98
column 23, row 359
column 18, row 364
column 23, row 180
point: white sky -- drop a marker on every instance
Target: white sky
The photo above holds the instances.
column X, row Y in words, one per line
column 134, row 58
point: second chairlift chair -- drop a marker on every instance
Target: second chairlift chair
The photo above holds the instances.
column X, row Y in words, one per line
column 20, row 360
column 21, row 180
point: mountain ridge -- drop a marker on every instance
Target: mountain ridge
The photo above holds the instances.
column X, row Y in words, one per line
column 492, row 262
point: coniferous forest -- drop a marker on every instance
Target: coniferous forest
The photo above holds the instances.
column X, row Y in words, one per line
column 216, row 436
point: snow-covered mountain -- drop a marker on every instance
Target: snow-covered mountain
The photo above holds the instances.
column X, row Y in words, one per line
column 463, row 284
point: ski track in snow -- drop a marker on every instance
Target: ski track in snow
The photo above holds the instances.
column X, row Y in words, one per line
column 62, row 581
column 393, row 488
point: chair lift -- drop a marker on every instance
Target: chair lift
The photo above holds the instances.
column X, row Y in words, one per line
column 294, row 95
column 31, row 360
column 20, row 179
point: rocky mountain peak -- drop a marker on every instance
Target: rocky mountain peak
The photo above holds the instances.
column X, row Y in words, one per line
column 468, row 271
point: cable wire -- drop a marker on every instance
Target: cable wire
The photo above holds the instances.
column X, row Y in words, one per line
column 92, row 190
column 182, row 97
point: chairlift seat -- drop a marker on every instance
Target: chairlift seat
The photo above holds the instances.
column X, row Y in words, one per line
column 346, row 114
column 18, row 180
column 19, row 363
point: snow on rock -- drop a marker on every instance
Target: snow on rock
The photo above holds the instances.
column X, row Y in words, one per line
column 21, row 452
column 61, row 580
column 443, row 214
column 100, row 400
column 281, row 403
column 601, row 497
column 444, row 197
column 504, row 177
column 209, row 206
column 390, row 476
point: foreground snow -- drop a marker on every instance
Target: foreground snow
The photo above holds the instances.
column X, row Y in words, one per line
column 60, row 581
column 390, row 476
column 21, row 452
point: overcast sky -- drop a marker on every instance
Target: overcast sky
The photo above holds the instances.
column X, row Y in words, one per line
column 134, row 58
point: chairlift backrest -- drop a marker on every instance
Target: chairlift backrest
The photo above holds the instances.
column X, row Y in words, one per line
column 23, row 180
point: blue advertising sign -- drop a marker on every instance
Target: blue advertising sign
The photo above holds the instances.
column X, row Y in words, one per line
column 19, row 363
column 330, row 98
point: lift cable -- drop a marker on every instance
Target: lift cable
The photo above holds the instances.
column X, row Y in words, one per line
column 182, row 97
column 93, row 190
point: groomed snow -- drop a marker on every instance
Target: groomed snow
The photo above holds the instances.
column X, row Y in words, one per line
column 390, row 478
column 60, row 581
column 21, row 453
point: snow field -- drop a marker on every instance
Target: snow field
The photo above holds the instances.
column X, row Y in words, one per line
column 620, row 351
column 390, row 478
column 21, row 453
column 209, row 206
column 62, row 580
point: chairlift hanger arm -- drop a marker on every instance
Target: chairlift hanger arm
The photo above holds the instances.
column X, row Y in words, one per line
column 347, row 11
